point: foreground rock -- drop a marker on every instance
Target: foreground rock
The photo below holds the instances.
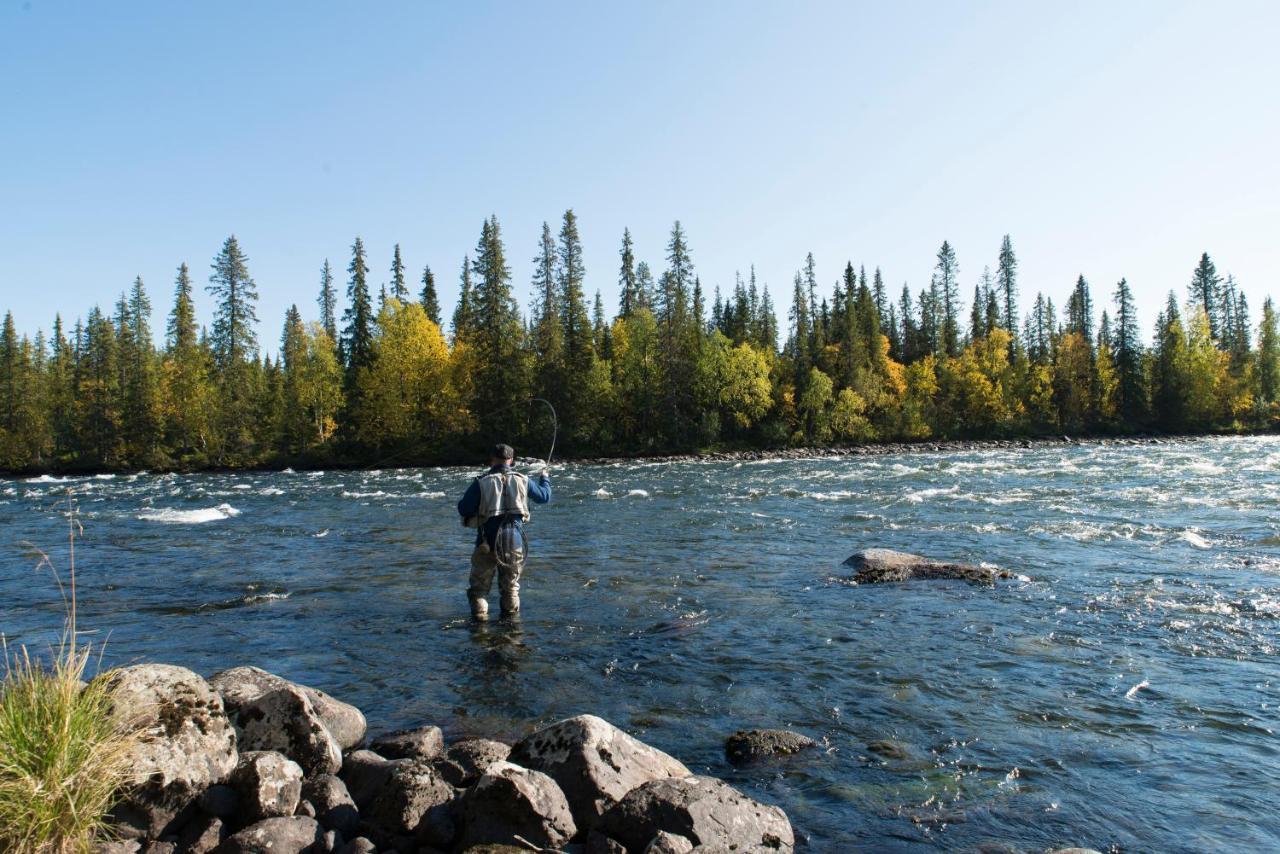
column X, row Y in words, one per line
column 511, row 805
column 878, row 566
column 267, row 785
column 751, row 745
column 411, row 803
column 286, row 835
column 467, row 760
column 707, row 812
column 185, row 745
column 594, row 763
column 421, row 743
column 271, row 713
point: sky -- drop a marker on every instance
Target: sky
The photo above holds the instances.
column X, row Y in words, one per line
column 1108, row 139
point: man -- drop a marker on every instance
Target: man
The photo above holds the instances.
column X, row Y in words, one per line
column 497, row 503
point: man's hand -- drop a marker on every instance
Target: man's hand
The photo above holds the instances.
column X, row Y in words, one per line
column 546, row 472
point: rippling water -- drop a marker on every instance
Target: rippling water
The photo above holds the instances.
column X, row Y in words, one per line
column 1123, row 693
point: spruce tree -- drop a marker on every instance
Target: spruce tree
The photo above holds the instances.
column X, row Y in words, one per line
column 233, row 339
column 462, row 311
column 646, row 287
column 430, row 300
column 946, row 278
column 328, row 302
column 1205, row 283
column 1080, row 311
column 579, row 344
column 1126, row 348
column 357, row 332
column 1268, row 355
column 1007, row 284
column 627, row 282
column 548, row 324
column 399, row 289
column 497, row 332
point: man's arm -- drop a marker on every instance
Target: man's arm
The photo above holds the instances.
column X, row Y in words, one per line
column 540, row 489
column 470, row 503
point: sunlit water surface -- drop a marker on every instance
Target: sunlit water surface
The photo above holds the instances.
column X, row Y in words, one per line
column 1123, row 692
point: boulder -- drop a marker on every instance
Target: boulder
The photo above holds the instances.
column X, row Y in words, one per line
column 364, row 772
column 401, row 806
column 334, row 806
column 201, row 835
column 708, row 812
column 598, row 843
column 359, row 845
column 877, row 566
column 594, row 763
column 283, row 835
column 332, row 841
column 668, row 843
column 425, row 742
column 749, row 745
column 118, row 846
column 466, row 761
column 271, row 713
column 510, row 805
column 160, row 846
column 185, row 743
column 267, row 785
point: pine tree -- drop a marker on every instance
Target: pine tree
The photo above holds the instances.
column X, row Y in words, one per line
column 882, row 305
column 357, row 332
column 1007, row 284
column 189, row 405
column 646, row 287
column 497, row 333
column 233, row 339
column 430, row 301
column 141, row 418
column 1268, row 355
column 570, row 275
column 946, row 278
column 1204, row 287
column 462, row 322
column 768, row 322
column 548, row 324
column 1169, row 371
column 1080, row 310
column 628, row 285
column 399, row 289
column 328, row 302
column 977, row 318
column 910, row 348
column 1131, row 390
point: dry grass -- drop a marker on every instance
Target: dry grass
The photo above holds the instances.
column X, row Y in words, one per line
column 64, row 749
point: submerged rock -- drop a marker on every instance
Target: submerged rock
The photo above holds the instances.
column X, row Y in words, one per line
column 876, row 566
column 749, row 745
column 511, row 804
column 185, row 744
column 594, row 763
column 708, row 812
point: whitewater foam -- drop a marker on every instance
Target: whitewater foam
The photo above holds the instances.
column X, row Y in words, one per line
column 171, row 516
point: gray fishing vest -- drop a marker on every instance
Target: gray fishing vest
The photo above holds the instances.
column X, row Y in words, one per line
column 501, row 492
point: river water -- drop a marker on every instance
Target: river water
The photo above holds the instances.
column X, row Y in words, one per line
column 1123, row 693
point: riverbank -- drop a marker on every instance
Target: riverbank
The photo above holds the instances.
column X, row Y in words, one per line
column 470, row 458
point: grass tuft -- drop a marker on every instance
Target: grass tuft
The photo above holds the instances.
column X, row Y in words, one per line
column 64, row 747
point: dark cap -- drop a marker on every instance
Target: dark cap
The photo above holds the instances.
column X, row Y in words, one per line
column 503, row 452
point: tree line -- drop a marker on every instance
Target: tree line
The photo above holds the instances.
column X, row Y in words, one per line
column 675, row 369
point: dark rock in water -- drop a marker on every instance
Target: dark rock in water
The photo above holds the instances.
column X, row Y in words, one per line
column 594, row 763
column 422, row 743
column 510, row 804
column 668, row 843
column 185, row 744
column 876, row 566
column 466, row 761
column 888, row 749
column 401, row 803
column 285, row 835
column 267, row 785
column 708, row 812
column 364, row 772
column 271, row 713
column 749, row 745
column 335, row 808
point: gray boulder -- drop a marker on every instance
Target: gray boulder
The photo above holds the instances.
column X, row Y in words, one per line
column 708, row 812
column 421, row 743
column 594, row 763
column 359, row 845
column 334, row 806
column 284, row 835
column 750, row 745
column 185, row 743
column 201, row 835
column 466, row 761
column 877, row 566
column 267, row 785
column 511, row 805
column 364, row 772
column 271, row 713
column 668, row 843
column 402, row 807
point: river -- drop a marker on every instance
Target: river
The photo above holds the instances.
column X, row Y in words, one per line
column 1123, row 692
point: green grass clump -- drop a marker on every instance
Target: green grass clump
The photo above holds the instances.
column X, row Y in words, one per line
column 64, row 748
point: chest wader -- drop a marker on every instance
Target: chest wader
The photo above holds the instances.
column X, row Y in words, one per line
column 503, row 495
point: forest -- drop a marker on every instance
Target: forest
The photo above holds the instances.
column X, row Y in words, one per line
column 385, row 381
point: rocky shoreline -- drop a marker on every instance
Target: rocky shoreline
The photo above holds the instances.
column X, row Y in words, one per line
column 248, row 763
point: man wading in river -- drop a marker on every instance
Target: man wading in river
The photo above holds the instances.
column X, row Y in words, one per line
column 497, row 503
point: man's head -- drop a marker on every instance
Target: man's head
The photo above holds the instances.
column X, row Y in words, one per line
column 501, row 455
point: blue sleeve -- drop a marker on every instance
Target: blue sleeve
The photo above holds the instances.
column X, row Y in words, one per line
column 470, row 503
column 540, row 490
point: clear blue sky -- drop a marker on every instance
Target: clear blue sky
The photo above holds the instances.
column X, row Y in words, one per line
column 1110, row 139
